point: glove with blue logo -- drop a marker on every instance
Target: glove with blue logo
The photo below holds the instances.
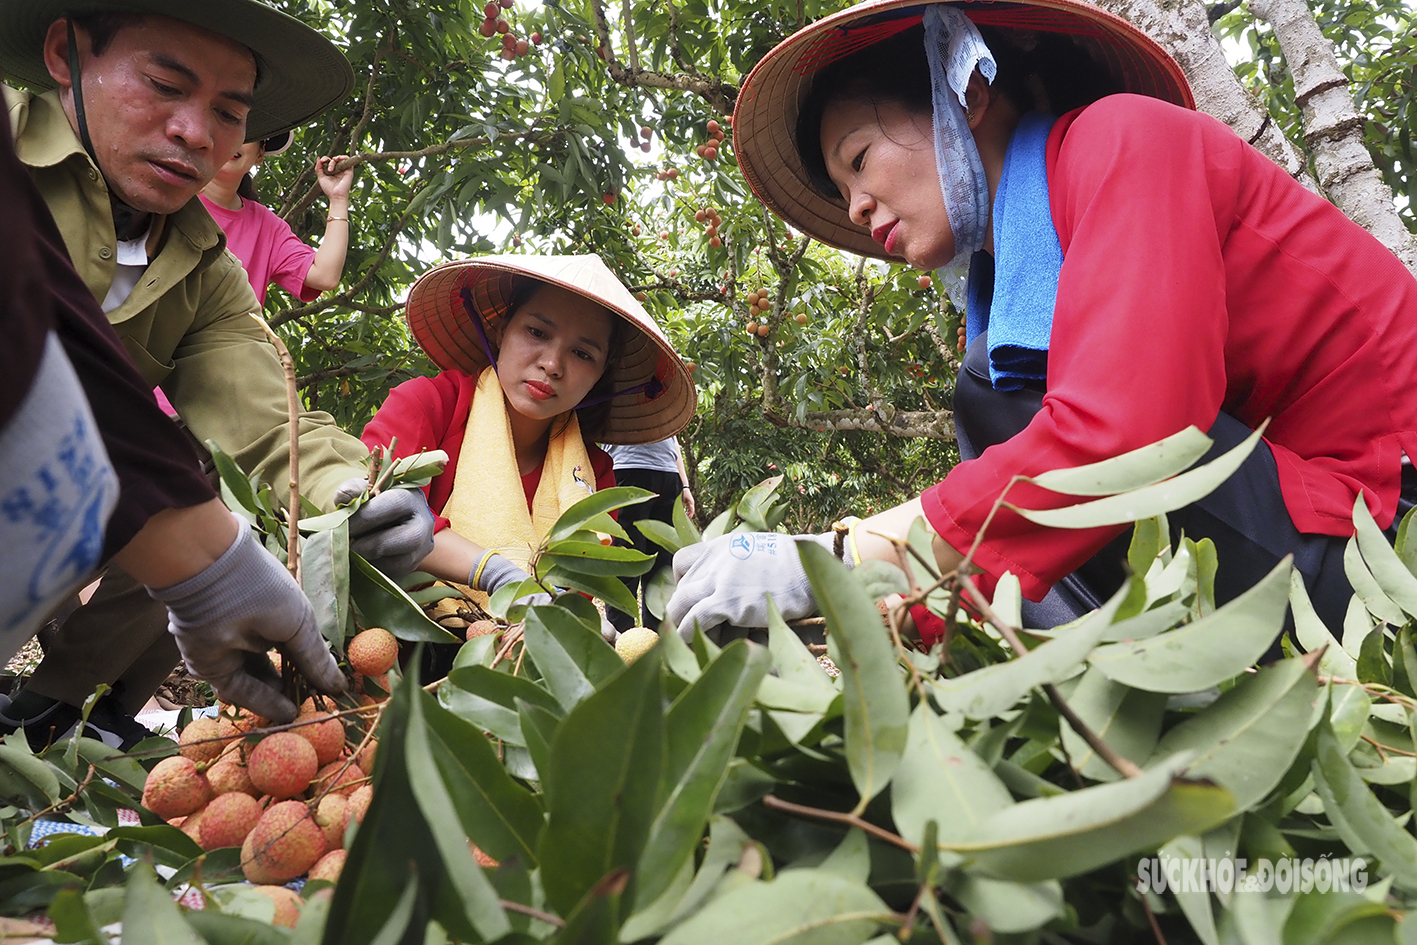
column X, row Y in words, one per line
column 726, row 580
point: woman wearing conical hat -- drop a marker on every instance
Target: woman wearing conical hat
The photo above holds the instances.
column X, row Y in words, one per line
column 1131, row 268
column 542, row 357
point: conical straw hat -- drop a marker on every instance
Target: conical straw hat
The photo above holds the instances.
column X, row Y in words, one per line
column 765, row 118
column 660, row 396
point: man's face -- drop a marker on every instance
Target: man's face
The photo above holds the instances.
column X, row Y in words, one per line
column 166, row 106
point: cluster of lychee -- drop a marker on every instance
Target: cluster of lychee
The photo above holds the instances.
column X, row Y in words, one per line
column 645, row 133
column 493, row 23
column 709, row 216
column 759, row 303
column 667, row 174
column 709, row 149
column 286, row 798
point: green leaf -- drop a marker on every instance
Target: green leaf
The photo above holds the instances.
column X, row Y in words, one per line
column 753, row 507
column 601, row 784
column 1314, row 636
column 1128, row 720
column 987, row 692
column 726, row 843
column 150, row 915
column 1360, row 818
column 1147, row 501
column 941, row 779
column 1210, row 650
column 1392, row 576
column 1194, row 903
column 663, row 535
column 880, row 579
column 38, row 779
column 791, row 660
column 607, row 588
column 324, row 576
column 382, row 603
column 1008, row 907
column 72, row 919
column 688, row 534
column 1373, row 666
column 538, row 728
column 216, row 928
column 877, row 709
column 1366, row 586
column 1247, row 739
column 496, row 813
column 1073, row 833
column 1147, row 541
column 677, row 656
column 579, row 515
column 807, row 906
column 573, row 660
column 113, row 763
column 658, row 591
column 1404, row 662
column 1132, row 470
column 490, row 804
column 701, row 733
column 234, row 482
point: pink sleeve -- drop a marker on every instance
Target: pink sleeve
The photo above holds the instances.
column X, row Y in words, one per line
column 290, row 261
column 1137, row 349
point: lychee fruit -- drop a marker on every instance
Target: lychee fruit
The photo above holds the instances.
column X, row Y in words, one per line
column 201, row 731
column 253, row 870
column 288, row 903
column 482, row 859
column 635, row 642
column 359, row 804
column 191, row 825
column 230, row 775
column 335, row 778
column 174, row 788
column 365, row 758
column 283, row 764
column 284, row 844
column 326, row 737
column 480, row 628
column 331, row 815
column 227, row 820
column 329, row 866
column 373, row 652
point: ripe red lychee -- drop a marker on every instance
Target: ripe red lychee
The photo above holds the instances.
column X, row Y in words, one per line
column 536, row 39
column 329, row 866
column 923, row 282
column 488, row 27
column 373, row 652
column 365, row 758
column 201, row 731
column 331, row 815
column 174, row 788
column 480, row 628
column 285, row 843
column 359, row 804
column 283, row 765
column 255, row 873
column 230, row 775
column 288, row 903
column 326, row 737
column 191, row 825
column 479, row 857
column 227, row 820
column 331, row 778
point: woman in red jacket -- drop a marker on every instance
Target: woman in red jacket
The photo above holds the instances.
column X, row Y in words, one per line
column 1133, row 268
column 543, row 356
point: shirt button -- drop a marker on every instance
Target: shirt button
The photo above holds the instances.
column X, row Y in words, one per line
column 93, row 174
column 105, row 253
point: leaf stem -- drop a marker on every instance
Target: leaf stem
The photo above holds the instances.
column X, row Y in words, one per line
column 1104, row 751
column 839, row 817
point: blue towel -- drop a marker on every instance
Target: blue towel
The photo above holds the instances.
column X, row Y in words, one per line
column 1012, row 294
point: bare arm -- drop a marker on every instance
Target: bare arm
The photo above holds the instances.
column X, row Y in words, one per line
column 328, row 267
column 688, row 493
column 453, row 557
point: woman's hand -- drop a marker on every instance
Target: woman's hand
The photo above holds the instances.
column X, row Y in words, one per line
column 335, row 184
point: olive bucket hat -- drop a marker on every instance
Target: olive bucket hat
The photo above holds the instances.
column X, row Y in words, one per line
column 765, row 118
column 302, row 73
column 451, row 308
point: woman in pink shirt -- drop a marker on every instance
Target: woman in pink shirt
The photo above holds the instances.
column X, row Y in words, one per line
column 264, row 242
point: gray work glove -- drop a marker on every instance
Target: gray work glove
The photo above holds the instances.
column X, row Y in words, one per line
column 726, row 580
column 499, row 572
column 226, row 618
column 393, row 530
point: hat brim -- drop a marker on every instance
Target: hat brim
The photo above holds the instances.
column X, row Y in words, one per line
column 440, row 324
column 302, row 72
column 765, row 118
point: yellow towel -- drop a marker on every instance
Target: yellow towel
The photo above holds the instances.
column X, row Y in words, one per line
column 488, row 504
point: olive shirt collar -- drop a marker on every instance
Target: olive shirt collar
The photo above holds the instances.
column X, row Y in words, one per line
column 45, row 139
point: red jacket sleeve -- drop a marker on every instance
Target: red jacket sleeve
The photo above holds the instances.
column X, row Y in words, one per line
column 419, row 414
column 1139, row 328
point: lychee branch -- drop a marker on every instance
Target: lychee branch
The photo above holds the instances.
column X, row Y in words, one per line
column 773, row 802
column 292, row 402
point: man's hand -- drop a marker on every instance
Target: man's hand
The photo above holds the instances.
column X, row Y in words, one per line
column 393, row 530
column 227, row 617
column 726, row 580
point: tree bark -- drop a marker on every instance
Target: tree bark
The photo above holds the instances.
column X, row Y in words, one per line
column 1182, row 27
column 1333, row 129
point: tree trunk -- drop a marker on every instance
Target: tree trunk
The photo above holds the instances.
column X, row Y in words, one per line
column 1183, row 29
column 1333, row 129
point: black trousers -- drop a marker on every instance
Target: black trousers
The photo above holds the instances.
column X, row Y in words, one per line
column 666, row 487
column 1245, row 517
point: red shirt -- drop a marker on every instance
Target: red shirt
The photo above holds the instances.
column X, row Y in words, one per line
column 430, row 413
column 1198, row 277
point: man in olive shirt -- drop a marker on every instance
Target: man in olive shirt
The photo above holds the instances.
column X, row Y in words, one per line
column 145, row 104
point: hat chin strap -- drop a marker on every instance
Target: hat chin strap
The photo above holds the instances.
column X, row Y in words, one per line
column 128, row 223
